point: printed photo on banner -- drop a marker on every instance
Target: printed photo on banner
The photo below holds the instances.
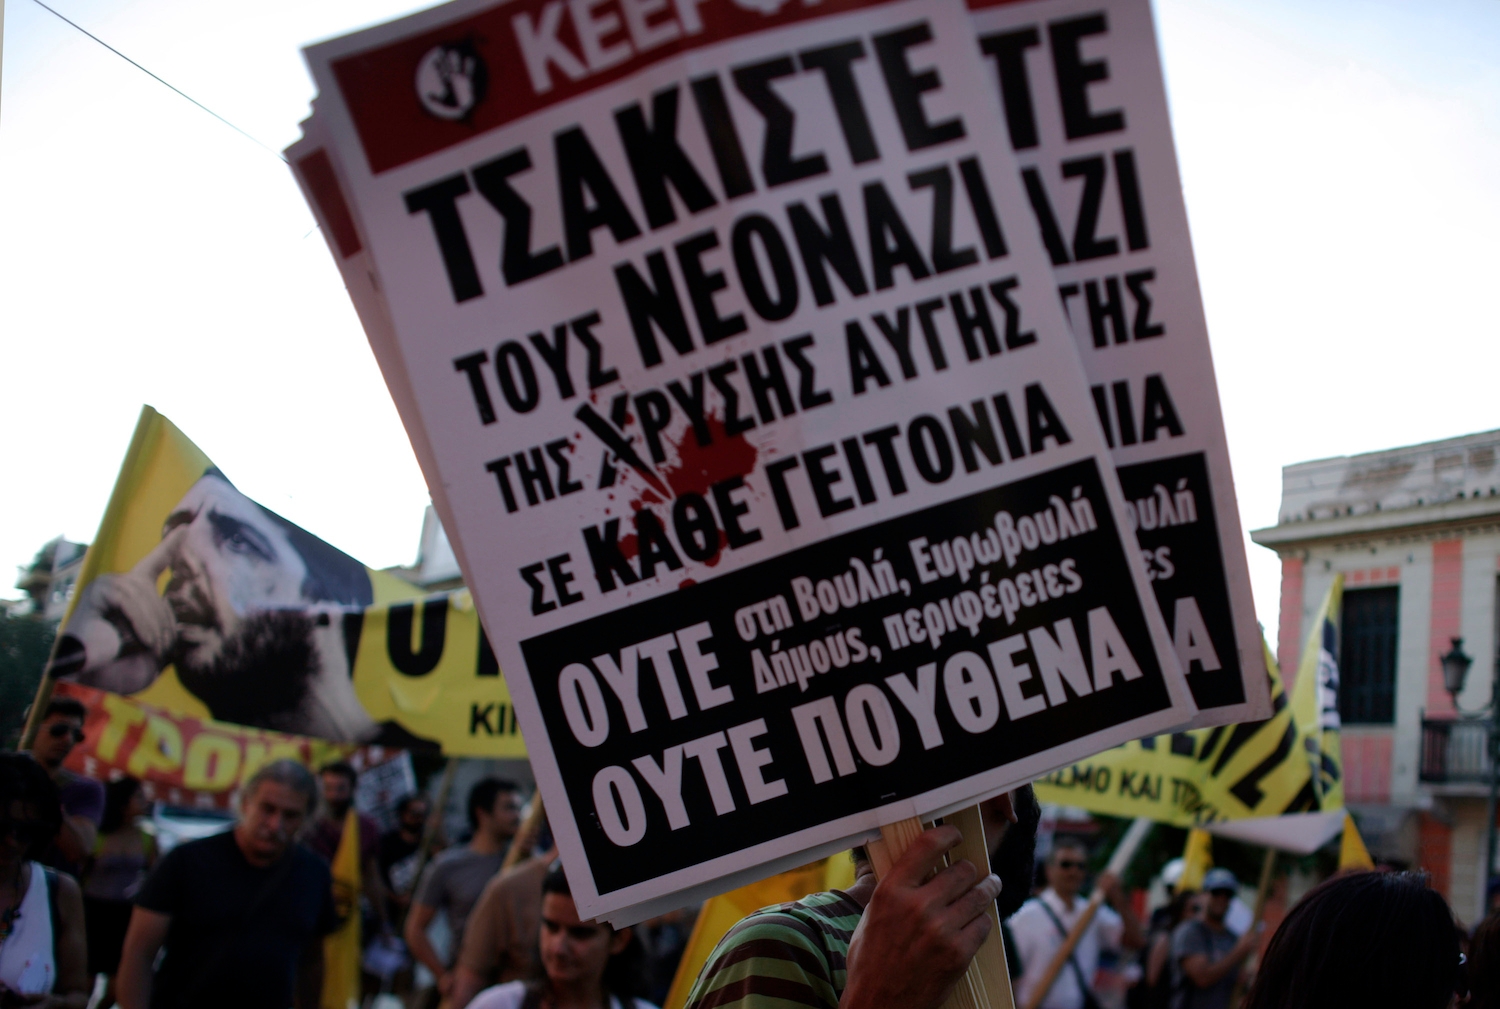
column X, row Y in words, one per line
column 735, row 362
column 199, row 600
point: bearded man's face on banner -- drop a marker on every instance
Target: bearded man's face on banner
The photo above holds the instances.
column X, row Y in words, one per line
column 232, row 561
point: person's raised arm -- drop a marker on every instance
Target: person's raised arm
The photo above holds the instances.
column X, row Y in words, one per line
column 1132, row 936
column 918, row 934
column 143, row 940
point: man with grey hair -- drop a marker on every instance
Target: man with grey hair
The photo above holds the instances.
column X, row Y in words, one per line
column 241, row 914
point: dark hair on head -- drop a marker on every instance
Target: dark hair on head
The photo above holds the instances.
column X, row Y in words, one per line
column 332, row 575
column 343, row 770
column 1014, row 859
column 624, row 973
column 117, row 796
column 1484, row 964
column 23, row 780
column 1366, row 939
column 68, row 707
column 482, row 796
column 405, row 802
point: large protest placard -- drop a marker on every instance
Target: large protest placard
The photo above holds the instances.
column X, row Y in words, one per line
column 1085, row 111
column 198, row 600
column 763, row 442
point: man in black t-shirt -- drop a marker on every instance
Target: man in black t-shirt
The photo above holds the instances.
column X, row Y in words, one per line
column 240, row 914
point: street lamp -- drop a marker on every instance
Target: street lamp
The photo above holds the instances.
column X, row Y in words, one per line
column 1455, row 670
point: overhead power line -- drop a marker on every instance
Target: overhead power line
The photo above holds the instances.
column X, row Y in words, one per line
column 275, row 153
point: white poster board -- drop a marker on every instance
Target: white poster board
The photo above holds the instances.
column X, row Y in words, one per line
column 1085, row 112
column 768, row 455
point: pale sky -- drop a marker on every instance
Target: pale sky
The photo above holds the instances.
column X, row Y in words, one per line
column 1339, row 160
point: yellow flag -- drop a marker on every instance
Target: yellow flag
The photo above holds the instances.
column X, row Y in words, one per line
column 721, row 913
column 1289, row 763
column 341, row 949
column 1315, row 700
column 258, row 622
column 1352, row 851
column 1197, row 859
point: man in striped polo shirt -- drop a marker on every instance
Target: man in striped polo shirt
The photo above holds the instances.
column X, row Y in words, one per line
column 903, row 942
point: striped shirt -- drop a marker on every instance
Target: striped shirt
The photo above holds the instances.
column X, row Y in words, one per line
column 782, row 957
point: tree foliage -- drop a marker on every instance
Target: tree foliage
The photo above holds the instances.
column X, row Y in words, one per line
column 25, row 642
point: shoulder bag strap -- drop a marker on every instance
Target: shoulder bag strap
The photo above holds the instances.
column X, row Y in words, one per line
column 49, row 879
column 1072, row 957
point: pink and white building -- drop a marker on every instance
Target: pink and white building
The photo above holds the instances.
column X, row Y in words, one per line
column 1415, row 532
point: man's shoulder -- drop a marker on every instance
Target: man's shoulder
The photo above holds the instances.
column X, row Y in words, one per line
column 786, row 954
column 817, row 922
column 519, row 879
column 1029, row 913
column 213, row 847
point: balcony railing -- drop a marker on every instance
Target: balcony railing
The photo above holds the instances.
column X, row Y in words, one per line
column 1455, row 751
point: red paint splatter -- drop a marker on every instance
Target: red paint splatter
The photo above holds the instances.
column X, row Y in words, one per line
column 699, row 467
column 687, row 583
column 630, row 546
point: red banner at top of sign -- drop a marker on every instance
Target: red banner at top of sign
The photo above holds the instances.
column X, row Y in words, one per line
column 430, row 91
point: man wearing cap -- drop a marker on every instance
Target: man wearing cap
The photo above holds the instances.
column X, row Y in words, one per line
column 1206, row 955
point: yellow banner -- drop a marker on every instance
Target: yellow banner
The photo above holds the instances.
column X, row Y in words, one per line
column 1289, row 763
column 197, row 600
column 341, row 948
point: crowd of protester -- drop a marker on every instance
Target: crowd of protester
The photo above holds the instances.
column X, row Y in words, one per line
column 91, row 915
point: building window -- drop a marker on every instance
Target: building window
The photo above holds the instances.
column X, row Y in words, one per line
column 1367, row 665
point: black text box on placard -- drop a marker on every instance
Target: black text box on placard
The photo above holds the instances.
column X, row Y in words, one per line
column 1025, row 668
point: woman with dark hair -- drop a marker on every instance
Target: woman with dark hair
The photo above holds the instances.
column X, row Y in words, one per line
column 581, row 964
column 42, row 950
column 123, row 853
column 1362, row 941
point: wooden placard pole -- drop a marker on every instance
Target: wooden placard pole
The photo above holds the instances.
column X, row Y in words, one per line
column 525, row 839
column 986, row 982
column 1262, row 892
column 1118, row 862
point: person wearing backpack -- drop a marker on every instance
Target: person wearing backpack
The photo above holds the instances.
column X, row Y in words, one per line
column 1206, row 955
column 1043, row 923
column 42, row 948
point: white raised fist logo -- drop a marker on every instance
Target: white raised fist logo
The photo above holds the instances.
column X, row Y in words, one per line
column 451, row 80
